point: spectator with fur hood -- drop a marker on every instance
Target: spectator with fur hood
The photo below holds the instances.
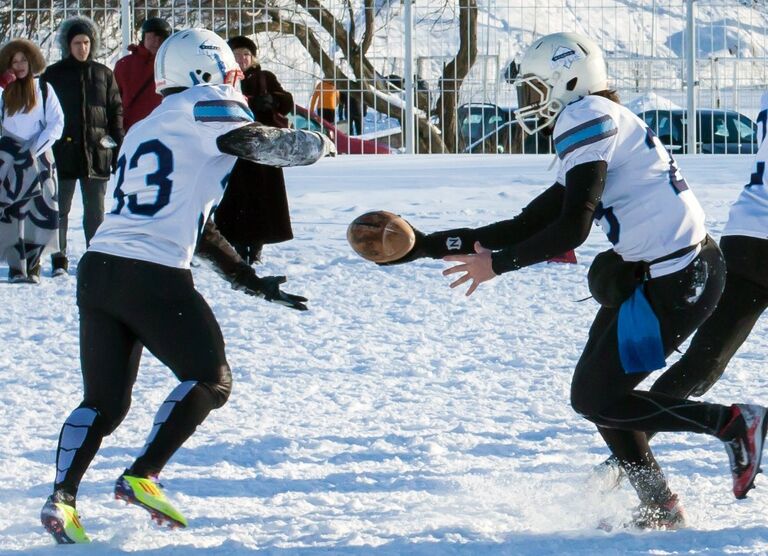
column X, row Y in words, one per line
column 249, row 217
column 93, row 128
column 135, row 73
column 32, row 120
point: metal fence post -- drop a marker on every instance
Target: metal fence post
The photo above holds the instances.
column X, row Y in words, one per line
column 126, row 25
column 690, row 33
column 409, row 129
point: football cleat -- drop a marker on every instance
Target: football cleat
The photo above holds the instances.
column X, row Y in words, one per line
column 59, row 517
column 746, row 431
column 148, row 494
column 667, row 516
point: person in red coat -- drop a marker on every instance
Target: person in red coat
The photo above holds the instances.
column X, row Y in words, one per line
column 135, row 73
column 254, row 209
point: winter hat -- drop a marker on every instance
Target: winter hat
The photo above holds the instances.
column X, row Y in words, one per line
column 79, row 29
column 156, row 25
column 78, row 25
column 29, row 49
column 242, row 42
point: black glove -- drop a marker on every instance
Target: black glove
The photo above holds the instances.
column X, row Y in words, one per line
column 416, row 252
column 262, row 103
column 268, row 288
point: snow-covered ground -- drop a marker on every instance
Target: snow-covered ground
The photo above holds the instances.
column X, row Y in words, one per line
column 397, row 416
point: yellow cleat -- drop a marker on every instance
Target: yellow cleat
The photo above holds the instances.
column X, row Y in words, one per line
column 59, row 517
column 147, row 494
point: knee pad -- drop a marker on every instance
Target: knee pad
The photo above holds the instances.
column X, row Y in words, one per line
column 222, row 388
column 583, row 403
column 109, row 418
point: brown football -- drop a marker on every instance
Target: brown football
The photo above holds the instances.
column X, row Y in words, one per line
column 380, row 236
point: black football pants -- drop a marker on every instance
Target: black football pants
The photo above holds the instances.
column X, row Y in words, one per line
column 124, row 305
column 603, row 393
column 744, row 299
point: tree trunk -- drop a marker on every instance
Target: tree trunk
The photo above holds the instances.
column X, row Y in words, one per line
column 455, row 72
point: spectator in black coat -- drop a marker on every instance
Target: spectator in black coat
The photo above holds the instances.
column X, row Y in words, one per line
column 93, row 128
column 353, row 109
column 254, row 209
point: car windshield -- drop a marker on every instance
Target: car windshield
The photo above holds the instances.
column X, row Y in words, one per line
column 299, row 121
column 475, row 121
column 745, row 129
column 665, row 125
column 726, row 128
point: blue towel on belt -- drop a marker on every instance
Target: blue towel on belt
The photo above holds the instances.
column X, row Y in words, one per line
column 640, row 347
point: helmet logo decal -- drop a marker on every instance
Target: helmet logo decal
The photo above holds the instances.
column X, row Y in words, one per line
column 208, row 46
column 220, row 65
column 564, row 56
column 213, row 51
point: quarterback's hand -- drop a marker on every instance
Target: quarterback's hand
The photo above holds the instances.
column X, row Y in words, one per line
column 6, row 78
column 268, row 288
column 478, row 268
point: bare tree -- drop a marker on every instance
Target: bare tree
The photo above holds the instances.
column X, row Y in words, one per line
column 455, row 72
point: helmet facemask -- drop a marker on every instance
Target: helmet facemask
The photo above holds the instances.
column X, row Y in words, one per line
column 536, row 107
column 233, row 78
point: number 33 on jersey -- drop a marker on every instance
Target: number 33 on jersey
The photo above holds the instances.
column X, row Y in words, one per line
column 170, row 173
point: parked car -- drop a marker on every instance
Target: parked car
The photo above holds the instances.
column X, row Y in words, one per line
column 476, row 120
column 488, row 128
column 718, row 131
column 300, row 118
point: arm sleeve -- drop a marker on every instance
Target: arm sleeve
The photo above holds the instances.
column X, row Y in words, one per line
column 118, row 72
column 534, row 217
column 275, row 146
column 54, row 121
column 584, row 186
column 222, row 257
column 115, row 113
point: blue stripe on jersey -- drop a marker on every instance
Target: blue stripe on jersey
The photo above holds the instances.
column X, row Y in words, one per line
column 584, row 134
column 221, row 111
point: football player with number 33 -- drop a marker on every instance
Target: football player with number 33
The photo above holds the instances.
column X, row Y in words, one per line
column 134, row 287
column 659, row 282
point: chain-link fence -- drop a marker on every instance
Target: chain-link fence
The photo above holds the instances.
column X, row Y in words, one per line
column 461, row 52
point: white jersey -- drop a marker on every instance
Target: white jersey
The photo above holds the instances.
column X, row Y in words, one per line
column 43, row 124
column 749, row 214
column 170, row 176
column 647, row 210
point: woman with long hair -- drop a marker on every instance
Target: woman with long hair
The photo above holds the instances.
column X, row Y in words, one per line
column 31, row 120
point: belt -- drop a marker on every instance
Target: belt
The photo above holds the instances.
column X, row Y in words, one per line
column 680, row 252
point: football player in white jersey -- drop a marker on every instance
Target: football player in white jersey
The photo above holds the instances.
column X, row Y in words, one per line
column 745, row 298
column 659, row 282
column 134, row 286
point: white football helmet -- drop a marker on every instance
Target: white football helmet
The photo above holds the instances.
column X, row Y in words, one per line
column 195, row 57
column 556, row 70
